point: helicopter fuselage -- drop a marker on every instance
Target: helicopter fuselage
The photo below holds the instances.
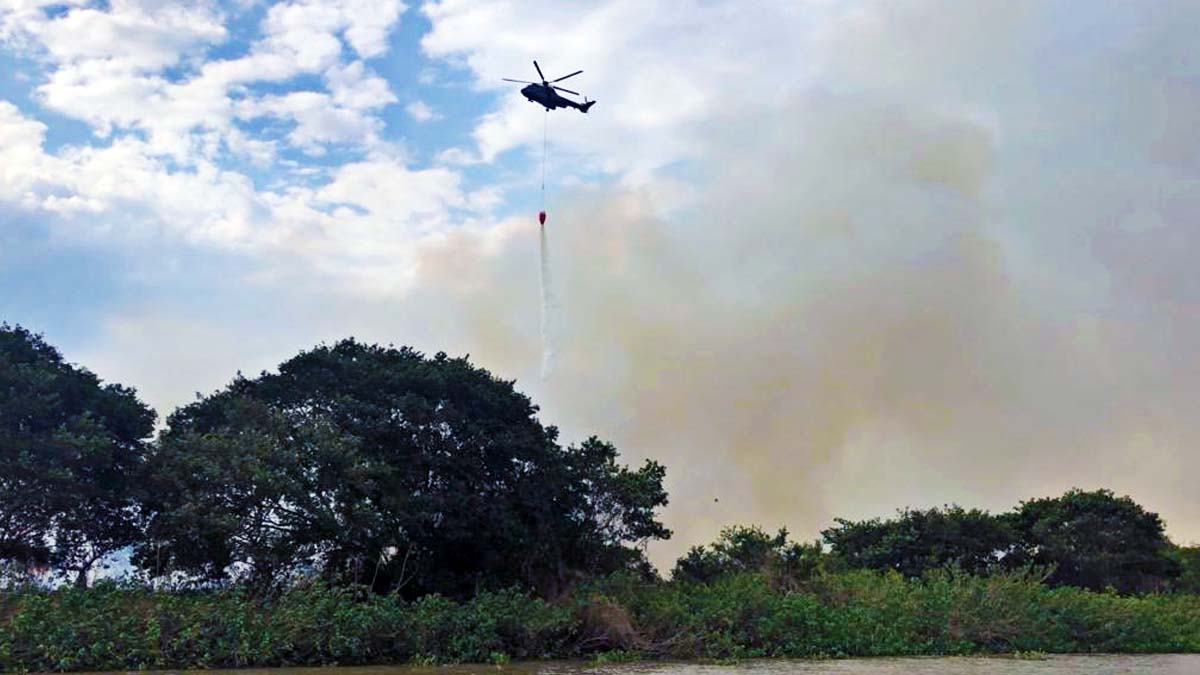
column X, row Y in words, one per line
column 549, row 99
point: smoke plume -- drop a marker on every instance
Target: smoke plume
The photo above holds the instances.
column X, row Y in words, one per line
column 842, row 326
column 919, row 271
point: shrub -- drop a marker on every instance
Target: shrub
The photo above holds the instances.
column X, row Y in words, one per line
column 858, row 613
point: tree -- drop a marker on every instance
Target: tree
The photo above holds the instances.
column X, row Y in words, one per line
column 378, row 465
column 749, row 549
column 1188, row 559
column 606, row 507
column 738, row 548
column 1096, row 540
column 256, row 499
column 919, row 540
column 70, row 451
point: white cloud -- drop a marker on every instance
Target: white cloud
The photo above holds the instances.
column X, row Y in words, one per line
column 107, row 62
column 352, row 86
column 17, row 16
column 136, row 35
column 123, row 191
column 21, row 146
column 659, row 77
column 393, row 194
column 369, row 23
column 306, row 27
column 421, row 112
column 101, row 93
column 108, row 69
column 318, row 120
column 306, row 32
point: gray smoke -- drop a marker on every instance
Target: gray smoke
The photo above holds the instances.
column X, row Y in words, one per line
column 954, row 270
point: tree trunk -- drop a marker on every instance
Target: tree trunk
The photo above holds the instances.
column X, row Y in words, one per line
column 81, row 580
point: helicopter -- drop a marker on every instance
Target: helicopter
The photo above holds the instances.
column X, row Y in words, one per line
column 545, row 94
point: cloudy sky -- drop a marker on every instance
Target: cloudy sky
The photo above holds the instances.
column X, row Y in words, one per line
column 822, row 258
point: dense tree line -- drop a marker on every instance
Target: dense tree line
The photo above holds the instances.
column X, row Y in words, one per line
column 378, row 466
column 357, row 463
column 1093, row 540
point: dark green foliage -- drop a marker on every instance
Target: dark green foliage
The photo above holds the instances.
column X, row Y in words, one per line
column 737, row 549
column 112, row 628
column 1188, row 560
column 1096, row 540
column 70, row 452
column 265, row 494
column 375, row 465
column 750, row 549
column 608, row 506
column 865, row 613
column 744, row 615
column 1089, row 540
column 916, row 541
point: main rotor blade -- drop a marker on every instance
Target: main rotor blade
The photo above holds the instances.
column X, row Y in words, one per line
column 539, row 69
column 566, row 90
column 566, row 76
column 521, row 81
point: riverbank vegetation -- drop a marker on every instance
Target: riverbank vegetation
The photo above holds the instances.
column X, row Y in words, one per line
column 368, row 504
column 859, row 613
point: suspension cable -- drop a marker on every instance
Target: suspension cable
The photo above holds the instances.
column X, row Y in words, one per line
column 545, row 145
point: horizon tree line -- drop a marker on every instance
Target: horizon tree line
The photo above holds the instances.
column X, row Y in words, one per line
column 373, row 465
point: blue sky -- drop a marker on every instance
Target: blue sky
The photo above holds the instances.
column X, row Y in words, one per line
column 821, row 258
column 64, row 280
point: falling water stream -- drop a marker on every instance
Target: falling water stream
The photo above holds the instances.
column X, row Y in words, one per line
column 547, row 307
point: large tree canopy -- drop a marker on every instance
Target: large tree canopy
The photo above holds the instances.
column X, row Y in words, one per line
column 380, row 465
column 1097, row 540
column 70, row 451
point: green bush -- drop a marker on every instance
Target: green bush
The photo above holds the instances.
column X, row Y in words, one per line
column 114, row 628
column 861, row 613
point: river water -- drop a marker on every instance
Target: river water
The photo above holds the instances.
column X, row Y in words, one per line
column 1158, row 664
